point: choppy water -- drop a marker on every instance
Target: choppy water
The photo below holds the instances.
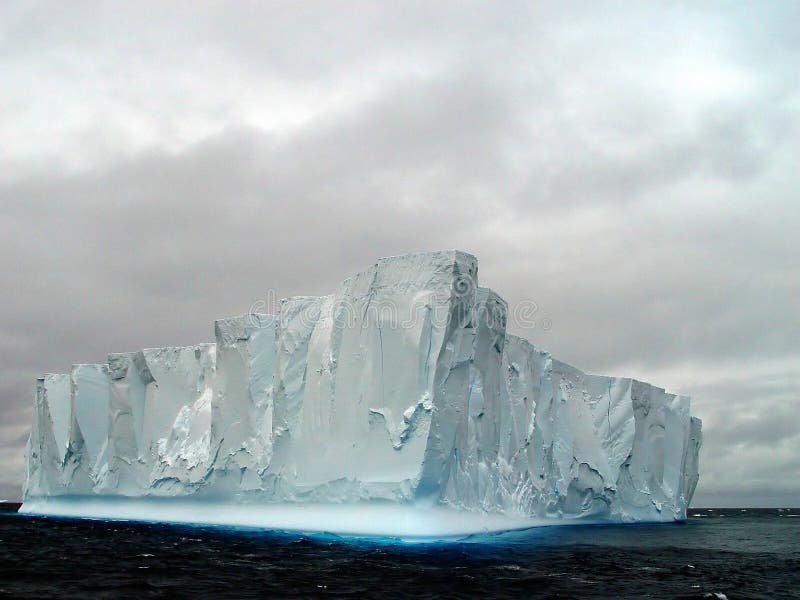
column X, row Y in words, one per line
column 731, row 553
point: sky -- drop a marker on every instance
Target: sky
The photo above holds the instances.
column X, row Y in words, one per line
column 628, row 169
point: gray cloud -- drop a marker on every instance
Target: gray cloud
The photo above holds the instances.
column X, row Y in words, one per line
column 629, row 170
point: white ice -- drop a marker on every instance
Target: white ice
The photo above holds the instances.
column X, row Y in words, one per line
column 401, row 388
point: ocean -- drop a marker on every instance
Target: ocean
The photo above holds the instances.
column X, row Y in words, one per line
column 717, row 553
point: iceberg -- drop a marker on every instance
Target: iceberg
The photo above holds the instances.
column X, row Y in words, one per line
column 398, row 405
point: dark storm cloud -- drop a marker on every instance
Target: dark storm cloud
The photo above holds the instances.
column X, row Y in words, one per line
column 630, row 171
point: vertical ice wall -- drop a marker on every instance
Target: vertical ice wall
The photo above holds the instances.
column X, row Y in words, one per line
column 241, row 410
column 471, row 479
column 88, row 406
column 47, row 446
column 159, row 425
column 176, row 434
column 58, row 458
column 402, row 386
column 691, row 465
column 90, row 400
column 363, row 407
column 124, row 467
column 575, row 444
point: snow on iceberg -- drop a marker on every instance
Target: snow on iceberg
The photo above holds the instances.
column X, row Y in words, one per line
column 401, row 389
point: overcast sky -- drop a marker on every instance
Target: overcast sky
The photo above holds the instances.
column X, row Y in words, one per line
column 632, row 168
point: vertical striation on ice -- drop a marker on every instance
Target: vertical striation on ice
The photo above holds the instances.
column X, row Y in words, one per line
column 123, row 472
column 47, row 446
column 90, row 397
column 402, row 386
column 361, row 404
column 242, row 405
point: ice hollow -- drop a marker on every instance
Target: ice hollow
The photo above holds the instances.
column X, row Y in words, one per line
column 402, row 387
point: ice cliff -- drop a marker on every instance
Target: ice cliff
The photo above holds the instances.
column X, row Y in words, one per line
column 403, row 387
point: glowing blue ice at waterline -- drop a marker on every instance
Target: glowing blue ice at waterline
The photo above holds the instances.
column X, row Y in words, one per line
column 400, row 396
column 366, row 520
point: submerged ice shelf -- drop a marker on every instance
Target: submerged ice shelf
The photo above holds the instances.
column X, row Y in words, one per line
column 400, row 392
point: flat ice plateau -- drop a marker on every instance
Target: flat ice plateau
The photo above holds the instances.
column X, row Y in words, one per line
column 396, row 406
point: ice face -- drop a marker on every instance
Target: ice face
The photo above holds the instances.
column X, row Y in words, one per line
column 47, row 445
column 402, row 386
column 90, row 395
column 557, row 442
column 159, row 440
column 359, row 376
column 242, row 406
column 125, row 427
column 57, row 458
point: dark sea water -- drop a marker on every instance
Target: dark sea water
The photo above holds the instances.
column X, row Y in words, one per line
column 733, row 553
